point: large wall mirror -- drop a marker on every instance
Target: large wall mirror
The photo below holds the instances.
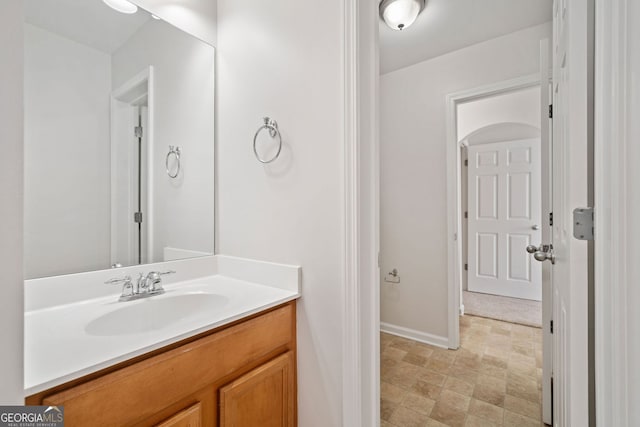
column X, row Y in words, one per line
column 119, row 139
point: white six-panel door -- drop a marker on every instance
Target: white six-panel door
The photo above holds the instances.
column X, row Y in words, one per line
column 504, row 218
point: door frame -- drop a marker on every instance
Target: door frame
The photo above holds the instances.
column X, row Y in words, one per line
column 454, row 214
column 144, row 77
column 614, row 219
column 361, row 220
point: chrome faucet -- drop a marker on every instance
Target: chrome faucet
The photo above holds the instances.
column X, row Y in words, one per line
column 144, row 287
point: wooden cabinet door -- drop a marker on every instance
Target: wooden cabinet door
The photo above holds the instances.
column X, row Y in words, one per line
column 263, row 397
column 189, row 417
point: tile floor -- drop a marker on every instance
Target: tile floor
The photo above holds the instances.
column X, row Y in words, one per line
column 494, row 379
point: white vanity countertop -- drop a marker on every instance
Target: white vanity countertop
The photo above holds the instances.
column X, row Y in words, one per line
column 66, row 338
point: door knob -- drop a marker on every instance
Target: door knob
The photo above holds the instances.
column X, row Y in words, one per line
column 543, row 253
column 535, row 227
column 543, row 256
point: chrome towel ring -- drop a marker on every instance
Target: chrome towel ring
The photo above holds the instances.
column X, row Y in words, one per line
column 272, row 126
column 176, row 152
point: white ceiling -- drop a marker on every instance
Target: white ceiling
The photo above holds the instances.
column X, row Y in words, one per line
column 448, row 25
column 90, row 22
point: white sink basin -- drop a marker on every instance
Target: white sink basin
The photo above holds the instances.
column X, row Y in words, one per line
column 154, row 313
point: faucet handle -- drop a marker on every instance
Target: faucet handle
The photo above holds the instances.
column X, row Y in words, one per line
column 127, row 286
column 118, row 280
column 162, row 273
column 155, row 280
column 155, row 275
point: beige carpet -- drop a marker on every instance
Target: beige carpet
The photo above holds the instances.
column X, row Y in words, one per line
column 514, row 310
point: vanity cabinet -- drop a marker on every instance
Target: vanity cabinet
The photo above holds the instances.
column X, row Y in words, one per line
column 240, row 375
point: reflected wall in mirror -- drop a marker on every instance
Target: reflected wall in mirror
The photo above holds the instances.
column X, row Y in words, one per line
column 106, row 95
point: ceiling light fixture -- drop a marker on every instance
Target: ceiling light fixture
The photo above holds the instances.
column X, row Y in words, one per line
column 400, row 14
column 122, row 6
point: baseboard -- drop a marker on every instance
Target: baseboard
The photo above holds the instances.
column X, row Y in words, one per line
column 412, row 334
column 461, row 309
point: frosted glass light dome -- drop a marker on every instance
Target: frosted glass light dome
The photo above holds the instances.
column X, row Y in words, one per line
column 122, row 6
column 400, row 14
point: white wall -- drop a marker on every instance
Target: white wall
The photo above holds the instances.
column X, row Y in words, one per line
column 183, row 208
column 284, row 59
column 67, row 220
column 519, row 106
column 413, row 169
column 11, row 192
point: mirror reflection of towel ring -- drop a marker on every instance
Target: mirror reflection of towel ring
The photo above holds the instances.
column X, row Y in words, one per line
column 176, row 152
column 272, row 126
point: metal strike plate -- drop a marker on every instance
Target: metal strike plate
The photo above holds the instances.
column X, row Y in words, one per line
column 583, row 223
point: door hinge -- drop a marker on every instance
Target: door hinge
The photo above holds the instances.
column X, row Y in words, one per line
column 466, row 214
column 137, row 217
column 583, row 228
column 551, row 219
column 138, row 131
column 466, row 267
column 551, row 326
column 551, row 111
column 466, row 162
